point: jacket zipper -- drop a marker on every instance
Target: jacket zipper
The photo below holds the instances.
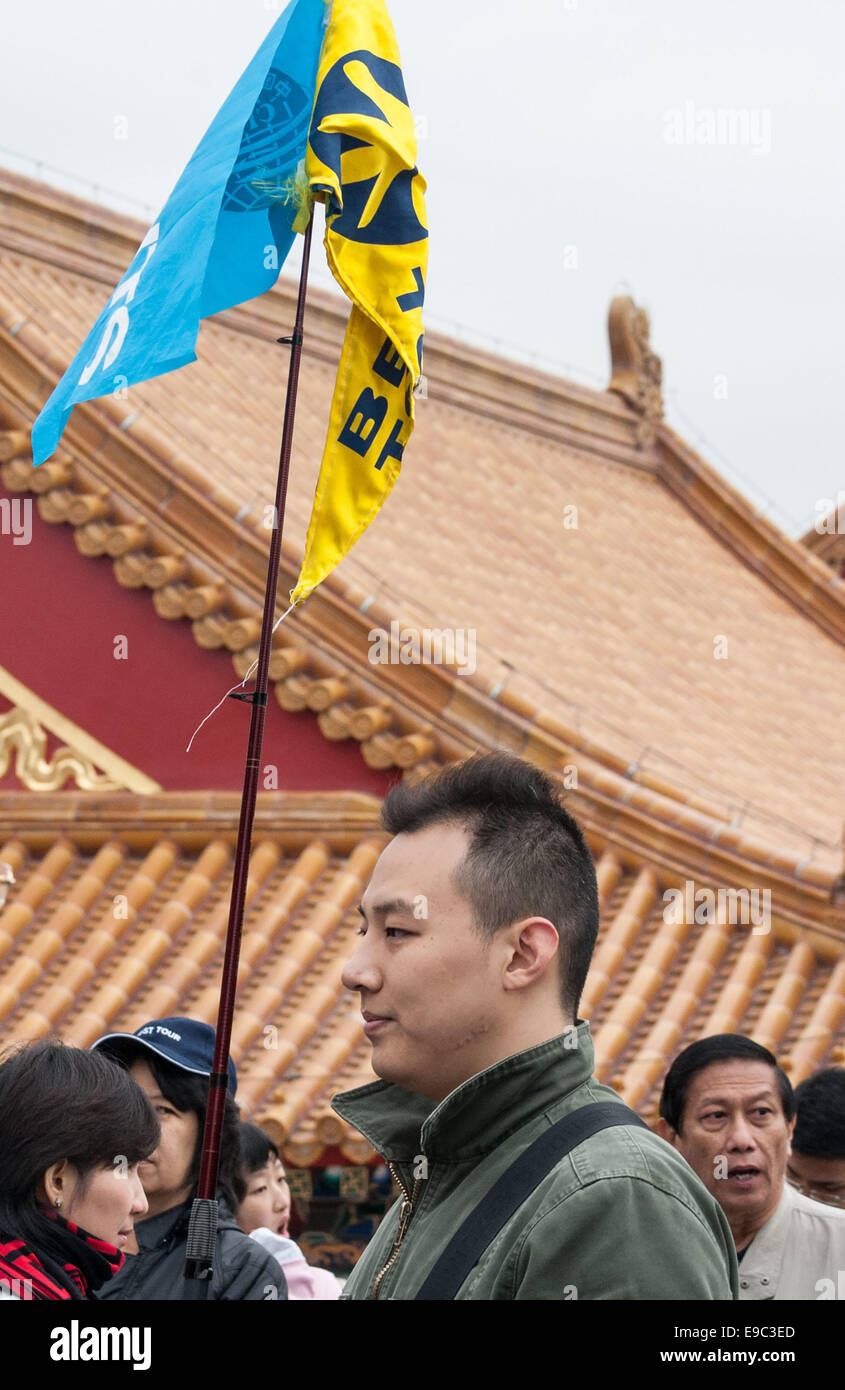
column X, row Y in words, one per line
column 406, row 1211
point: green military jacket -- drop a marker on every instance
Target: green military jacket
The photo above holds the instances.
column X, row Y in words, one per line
column 621, row 1216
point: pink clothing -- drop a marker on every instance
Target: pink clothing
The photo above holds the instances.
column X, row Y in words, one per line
column 303, row 1280
column 309, row 1281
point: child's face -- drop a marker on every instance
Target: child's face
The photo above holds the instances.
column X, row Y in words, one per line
column 267, row 1200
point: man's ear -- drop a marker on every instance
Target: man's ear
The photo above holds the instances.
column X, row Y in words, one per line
column 533, row 946
column 666, row 1132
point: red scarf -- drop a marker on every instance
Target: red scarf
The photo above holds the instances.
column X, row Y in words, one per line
column 86, row 1263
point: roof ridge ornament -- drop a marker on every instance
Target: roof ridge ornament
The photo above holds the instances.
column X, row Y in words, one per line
column 636, row 371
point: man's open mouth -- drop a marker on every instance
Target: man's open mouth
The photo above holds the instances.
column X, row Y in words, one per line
column 743, row 1175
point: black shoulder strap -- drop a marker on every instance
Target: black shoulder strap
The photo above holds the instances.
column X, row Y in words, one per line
column 510, row 1190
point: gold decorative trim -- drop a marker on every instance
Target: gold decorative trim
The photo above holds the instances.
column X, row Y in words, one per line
column 92, row 766
column 21, row 732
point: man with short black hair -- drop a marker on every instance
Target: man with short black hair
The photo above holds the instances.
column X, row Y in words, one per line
column 816, row 1165
column 729, row 1109
column 478, row 926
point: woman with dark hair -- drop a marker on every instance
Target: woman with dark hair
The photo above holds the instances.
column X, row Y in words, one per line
column 171, row 1059
column 264, row 1202
column 69, row 1183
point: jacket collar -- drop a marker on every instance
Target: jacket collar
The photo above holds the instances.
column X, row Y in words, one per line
column 164, row 1227
column 477, row 1115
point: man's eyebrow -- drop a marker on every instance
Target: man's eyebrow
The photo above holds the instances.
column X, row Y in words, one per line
column 720, row 1100
column 396, row 906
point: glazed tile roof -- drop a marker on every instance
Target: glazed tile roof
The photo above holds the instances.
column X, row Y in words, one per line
column 660, row 630
column 110, row 925
column 121, row 918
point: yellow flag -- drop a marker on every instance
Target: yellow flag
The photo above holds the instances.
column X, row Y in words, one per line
column 362, row 159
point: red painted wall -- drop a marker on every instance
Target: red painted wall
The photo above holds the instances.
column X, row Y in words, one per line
column 61, row 613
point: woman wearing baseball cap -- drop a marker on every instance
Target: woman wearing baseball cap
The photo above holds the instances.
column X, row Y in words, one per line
column 74, row 1131
column 171, row 1059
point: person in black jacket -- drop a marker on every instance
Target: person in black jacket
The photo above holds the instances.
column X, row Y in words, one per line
column 171, row 1059
column 74, row 1130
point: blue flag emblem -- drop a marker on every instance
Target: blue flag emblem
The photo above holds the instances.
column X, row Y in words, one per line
column 222, row 236
column 273, row 139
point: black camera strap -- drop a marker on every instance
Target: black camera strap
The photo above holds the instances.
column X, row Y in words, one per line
column 513, row 1187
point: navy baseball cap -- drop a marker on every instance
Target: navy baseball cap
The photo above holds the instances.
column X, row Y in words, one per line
column 185, row 1042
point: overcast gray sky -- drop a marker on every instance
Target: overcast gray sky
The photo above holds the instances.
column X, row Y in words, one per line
column 573, row 149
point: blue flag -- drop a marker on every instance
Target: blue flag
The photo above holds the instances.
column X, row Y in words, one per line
column 222, row 235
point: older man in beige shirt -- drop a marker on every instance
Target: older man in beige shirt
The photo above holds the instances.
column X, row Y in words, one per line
column 729, row 1109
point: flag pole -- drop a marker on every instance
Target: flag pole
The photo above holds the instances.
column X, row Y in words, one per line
column 203, row 1223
